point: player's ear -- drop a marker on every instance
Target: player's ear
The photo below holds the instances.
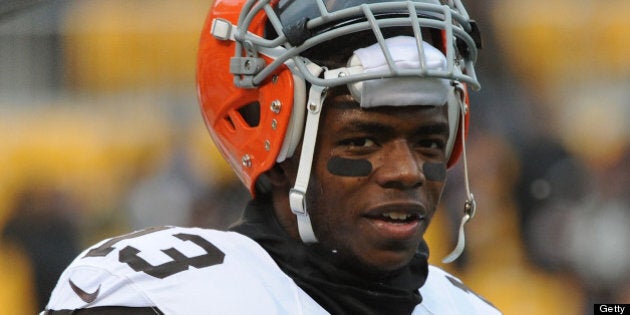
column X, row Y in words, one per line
column 279, row 174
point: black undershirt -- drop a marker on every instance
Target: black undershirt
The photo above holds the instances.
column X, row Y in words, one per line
column 331, row 282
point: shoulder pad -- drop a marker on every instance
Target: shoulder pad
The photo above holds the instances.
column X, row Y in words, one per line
column 443, row 293
column 178, row 271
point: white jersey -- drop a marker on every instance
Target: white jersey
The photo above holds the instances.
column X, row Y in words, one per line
column 200, row 271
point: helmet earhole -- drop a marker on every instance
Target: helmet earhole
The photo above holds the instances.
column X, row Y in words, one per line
column 251, row 114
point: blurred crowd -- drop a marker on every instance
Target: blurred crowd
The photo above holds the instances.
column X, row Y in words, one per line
column 102, row 136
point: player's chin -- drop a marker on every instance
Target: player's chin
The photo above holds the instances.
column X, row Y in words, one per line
column 391, row 259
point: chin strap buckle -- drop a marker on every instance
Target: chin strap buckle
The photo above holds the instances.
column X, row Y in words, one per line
column 470, row 208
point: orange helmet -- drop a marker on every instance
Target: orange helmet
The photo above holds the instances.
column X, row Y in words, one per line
column 256, row 67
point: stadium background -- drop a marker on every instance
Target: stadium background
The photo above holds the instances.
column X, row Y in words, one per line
column 100, row 135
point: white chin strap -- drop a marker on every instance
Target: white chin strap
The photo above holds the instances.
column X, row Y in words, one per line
column 297, row 195
column 470, row 205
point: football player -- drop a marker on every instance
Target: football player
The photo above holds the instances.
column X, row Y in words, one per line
column 341, row 118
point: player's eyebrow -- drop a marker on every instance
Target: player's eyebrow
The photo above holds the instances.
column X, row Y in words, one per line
column 379, row 128
column 366, row 126
column 435, row 128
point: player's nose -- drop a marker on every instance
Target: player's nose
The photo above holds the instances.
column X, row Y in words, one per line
column 401, row 167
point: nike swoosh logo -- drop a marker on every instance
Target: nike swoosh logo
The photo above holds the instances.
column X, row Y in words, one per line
column 86, row 297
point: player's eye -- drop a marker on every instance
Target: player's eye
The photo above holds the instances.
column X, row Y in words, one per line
column 433, row 144
column 358, row 143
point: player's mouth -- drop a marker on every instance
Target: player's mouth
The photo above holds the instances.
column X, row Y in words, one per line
column 397, row 221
